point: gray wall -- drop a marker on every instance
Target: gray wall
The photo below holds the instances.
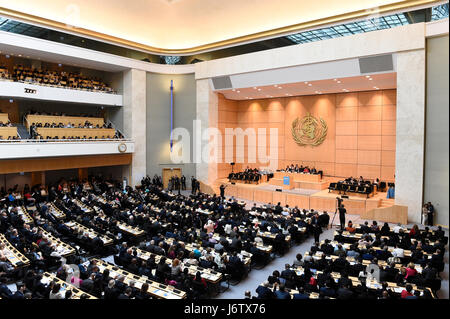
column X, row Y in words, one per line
column 437, row 129
column 158, row 119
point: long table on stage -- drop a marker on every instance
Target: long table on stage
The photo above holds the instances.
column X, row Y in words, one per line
column 299, row 177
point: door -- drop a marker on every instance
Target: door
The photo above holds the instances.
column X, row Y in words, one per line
column 167, row 173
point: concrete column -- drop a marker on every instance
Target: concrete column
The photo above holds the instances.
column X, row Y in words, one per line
column 410, row 132
column 134, row 120
column 207, row 113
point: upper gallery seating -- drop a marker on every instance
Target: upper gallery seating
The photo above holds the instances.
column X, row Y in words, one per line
column 7, row 131
column 62, row 79
column 43, row 126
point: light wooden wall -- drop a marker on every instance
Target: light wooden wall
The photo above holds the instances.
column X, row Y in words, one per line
column 360, row 138
column 11, row 108
column 59, row 163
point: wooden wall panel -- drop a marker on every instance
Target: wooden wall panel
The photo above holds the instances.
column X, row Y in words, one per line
column 347, row 128
column 346, row 156
column 388, row 143
column 387, row 173
column 369, row 113
column 369, row 157
column 346, row 170
column 388, row 128
column 389, row 97
column 389, row 113
column 369, row 143
column 388, row 158
column 361, row 131
column 370, row 98
column 372, row 128
column 347, row 113
column 369, row 171
column 346, row 99
column 344, row 142
column 66, row 162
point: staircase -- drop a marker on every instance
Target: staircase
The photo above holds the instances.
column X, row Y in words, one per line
column 22, row 131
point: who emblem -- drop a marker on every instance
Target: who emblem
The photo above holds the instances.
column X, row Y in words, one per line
column 309, row 130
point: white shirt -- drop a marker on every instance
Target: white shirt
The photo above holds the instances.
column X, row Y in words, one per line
column 398, row 252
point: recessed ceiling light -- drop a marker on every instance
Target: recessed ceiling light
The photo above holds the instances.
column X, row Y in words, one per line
column 20, row 54
column 339, row 82
column 259, row 89
column 370, row 79
column 309, row 84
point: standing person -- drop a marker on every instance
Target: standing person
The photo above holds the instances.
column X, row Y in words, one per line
column 342, row 212
column 317, row 230
column 222, row 191
column 425, row 214
column 430, row 214
column 183, row 183
column 193, row 184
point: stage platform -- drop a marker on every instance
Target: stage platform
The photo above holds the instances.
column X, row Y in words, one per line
column 320, row 200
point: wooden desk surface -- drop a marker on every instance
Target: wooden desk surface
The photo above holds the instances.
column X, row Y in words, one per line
column 83, row 206
column 131, row 230
column 156, row 289
column 208, row 274
column 33, row 118
column 63, row 248
column 55, row 211
column 90, row 232
column 22, row 211
column 372, row 284
column 15, row 257
column 191, row 247
column 76, row 292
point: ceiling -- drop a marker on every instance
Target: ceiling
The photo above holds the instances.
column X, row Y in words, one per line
column 188, row 26
column 339, row 85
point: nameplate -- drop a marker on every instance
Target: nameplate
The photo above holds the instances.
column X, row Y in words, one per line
column 30, row 91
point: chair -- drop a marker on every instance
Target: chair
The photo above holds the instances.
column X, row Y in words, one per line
column 332, row 187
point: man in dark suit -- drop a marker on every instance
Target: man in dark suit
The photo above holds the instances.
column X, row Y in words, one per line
column 342, row 212
column 264, row 291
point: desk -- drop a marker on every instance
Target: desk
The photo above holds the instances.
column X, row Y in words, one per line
column 155, row 289
column 15, row 257
column 90, row 232
column 62, row 248
column 83, row 206
column 298, row 177
column 209, row 275
column 55, row 211
column 22, row 211
column 371, row 284
column 130, row 230
column 76, row 293
column 77, row 120
column 246, row 257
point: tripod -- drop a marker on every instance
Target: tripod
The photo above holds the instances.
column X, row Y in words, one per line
column 338, row 204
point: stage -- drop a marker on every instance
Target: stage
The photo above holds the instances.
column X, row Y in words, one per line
column 304, row 198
